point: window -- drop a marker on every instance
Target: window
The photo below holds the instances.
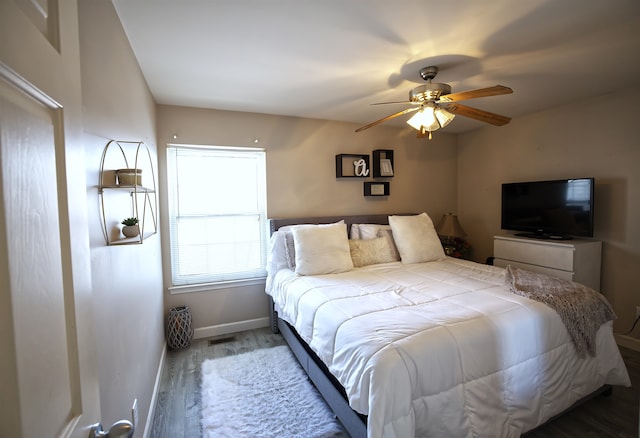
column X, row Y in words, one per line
column 217, row 213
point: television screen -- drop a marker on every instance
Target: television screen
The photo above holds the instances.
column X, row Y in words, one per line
column 549, row 209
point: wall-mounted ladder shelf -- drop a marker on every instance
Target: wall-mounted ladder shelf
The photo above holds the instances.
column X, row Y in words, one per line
column 118, row 154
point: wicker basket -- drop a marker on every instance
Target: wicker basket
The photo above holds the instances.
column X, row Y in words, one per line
column 179, row 329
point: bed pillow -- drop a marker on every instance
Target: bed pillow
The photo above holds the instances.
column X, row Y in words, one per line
column 355, row 232
column 388, row 235
column 371, row 231
column 277, row 256
column 416, row 239
column 290, row 250
column 366, row 252
column 289, row 245
column 322, row 249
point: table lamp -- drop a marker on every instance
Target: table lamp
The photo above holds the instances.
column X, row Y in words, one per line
column 449, row 228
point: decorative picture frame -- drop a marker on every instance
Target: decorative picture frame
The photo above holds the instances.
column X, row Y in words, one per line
column 386, row 169
column 376, row 188
column 383, row 163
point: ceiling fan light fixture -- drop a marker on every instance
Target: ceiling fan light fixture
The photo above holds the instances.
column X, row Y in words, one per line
column 424, row 118
column 430, row 118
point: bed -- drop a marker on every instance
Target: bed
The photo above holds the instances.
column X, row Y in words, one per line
column 404, row 341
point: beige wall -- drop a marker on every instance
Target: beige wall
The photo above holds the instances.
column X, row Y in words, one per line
column 127, row 280
column 597, row 138
column 301, row 181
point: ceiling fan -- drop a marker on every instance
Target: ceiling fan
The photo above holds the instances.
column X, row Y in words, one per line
column 436, row 106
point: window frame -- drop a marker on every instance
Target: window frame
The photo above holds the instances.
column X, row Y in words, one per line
column 180, row 283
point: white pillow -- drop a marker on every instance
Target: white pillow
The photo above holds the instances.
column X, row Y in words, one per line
column 289, row 245
column 355, row 232
column 277, row 257
column 322, row 249
column 372, row 251
column 416, row 239
column 371, row 231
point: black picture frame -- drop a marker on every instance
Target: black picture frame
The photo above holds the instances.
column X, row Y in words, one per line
column 383, row 166
column 375, row 188
column 345, row 167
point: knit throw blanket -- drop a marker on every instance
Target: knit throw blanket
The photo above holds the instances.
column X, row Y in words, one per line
column 582, row 309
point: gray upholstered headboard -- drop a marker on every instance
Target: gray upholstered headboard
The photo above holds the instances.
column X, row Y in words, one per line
column 383, row 219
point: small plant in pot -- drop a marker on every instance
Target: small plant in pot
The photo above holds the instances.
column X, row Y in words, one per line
column 130, row 228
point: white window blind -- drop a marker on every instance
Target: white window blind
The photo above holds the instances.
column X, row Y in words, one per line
column 217, row 213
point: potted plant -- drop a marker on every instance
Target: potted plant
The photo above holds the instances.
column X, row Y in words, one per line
column 130, row 228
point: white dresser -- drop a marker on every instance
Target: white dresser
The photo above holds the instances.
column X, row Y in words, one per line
column 577, row 259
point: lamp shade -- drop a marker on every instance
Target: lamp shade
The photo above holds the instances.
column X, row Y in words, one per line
column 431, row 118
column 449, row 226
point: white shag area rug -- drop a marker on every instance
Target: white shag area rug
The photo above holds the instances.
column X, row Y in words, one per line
column 263, row 393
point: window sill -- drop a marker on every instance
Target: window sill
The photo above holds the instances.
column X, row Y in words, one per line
column 205, row 287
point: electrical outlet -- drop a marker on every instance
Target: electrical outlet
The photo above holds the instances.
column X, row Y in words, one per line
column 134, row 413
column 637, row 312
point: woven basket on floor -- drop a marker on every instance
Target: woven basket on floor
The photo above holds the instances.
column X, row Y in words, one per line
column 179, row 329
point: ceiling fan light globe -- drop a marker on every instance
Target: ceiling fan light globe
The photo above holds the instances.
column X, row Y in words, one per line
column 424, row 119
column 444, row 117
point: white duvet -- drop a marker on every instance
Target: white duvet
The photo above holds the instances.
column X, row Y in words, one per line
column 442, row 349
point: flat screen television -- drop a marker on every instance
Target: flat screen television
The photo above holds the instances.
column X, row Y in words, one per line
column 559, row 209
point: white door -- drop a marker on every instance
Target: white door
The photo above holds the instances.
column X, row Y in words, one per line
column 48, row 370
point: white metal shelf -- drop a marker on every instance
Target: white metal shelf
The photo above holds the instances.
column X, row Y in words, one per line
column 144, row 202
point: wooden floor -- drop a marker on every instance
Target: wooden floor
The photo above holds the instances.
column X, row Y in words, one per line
column 178, row 405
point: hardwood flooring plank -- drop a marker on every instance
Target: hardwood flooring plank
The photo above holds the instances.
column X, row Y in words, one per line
column 178, row 407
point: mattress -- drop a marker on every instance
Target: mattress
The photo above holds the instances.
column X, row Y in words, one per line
column 442, row 348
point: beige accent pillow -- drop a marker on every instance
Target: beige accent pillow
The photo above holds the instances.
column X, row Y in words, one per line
column 416, row 238
column 322, row 249
column 371, row 252
column 388, row 235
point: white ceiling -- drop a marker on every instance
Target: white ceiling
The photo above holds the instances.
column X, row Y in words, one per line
column 331, row 59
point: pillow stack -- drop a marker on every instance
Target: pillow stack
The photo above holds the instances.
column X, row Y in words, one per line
column 326, row 249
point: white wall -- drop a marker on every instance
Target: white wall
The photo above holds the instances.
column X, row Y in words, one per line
column 596, row 137
column 301, row 181
column 127, row 280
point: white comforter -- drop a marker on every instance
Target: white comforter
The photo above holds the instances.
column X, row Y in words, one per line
column 442, row 349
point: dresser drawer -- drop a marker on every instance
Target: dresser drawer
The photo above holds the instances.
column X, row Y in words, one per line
column 577, row 259
column 559, row 257
column 565, row 275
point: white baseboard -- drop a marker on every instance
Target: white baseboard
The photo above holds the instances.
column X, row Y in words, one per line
column 628, row 342
column 224, row 329
column 154, row 396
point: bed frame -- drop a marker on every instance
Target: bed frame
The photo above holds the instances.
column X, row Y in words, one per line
column 328, row 386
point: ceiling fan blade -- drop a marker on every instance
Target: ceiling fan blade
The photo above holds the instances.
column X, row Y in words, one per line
column 474, row 113
column 384, row 119
column 473, row 94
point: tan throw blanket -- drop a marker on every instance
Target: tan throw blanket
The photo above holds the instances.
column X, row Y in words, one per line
column 582, row 309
